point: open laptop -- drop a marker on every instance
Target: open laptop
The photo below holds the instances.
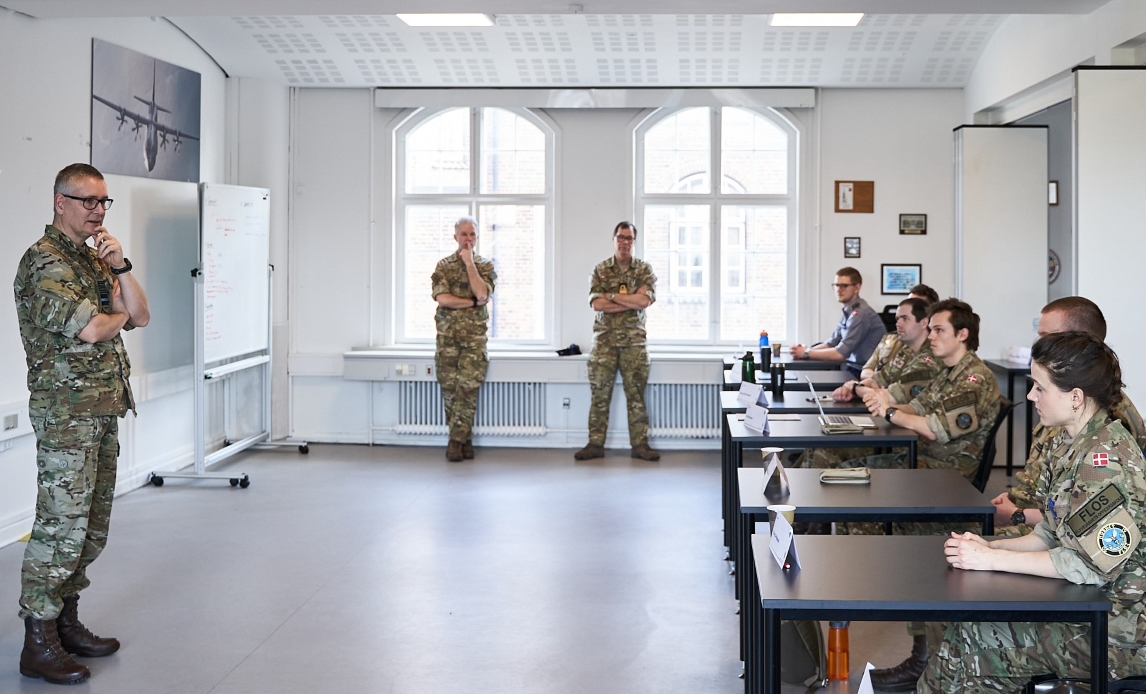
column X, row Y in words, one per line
column 838, row 423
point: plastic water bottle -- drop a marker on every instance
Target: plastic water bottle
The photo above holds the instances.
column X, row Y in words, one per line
column 748, row 368
column 765, row 351
column 837, row 650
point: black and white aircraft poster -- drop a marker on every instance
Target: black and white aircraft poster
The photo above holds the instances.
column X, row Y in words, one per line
column 145, row 115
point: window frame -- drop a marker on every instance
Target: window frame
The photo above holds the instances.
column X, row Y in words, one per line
column 716, row 200
column 473, row 201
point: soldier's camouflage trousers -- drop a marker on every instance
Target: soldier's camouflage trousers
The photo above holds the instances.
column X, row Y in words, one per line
column 461, row 364
column 76, row 461
column 633, row 363
column 1003, row 656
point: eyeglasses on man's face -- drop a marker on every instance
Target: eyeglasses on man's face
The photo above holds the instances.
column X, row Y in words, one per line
column 91, row 203
column 625, row 239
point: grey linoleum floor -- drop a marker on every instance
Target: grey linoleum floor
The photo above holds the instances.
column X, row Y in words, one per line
column 386, row 569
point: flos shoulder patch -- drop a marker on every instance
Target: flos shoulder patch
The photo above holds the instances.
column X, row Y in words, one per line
column 1094, row 510
column 957, row 401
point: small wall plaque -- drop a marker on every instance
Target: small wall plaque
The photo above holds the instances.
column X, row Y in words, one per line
column 855, row 196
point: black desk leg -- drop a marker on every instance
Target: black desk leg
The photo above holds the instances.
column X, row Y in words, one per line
column 989, row 524
column 726, row 482
column 1010, row 422
column 1098, row 639
column 770, row 628
column 912, row 461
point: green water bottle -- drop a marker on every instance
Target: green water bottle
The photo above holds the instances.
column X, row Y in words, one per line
column 748, row 367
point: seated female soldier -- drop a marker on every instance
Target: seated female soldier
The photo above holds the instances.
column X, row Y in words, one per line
column 1090, row 534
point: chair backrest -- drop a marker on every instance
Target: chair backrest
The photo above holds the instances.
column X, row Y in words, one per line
column 987, row 459
column 887, row 315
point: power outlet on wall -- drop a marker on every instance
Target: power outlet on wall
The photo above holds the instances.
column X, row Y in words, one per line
column 565, row 403
column 11, row 421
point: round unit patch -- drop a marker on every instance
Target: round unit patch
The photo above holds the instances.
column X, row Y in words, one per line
column 1113, row 539
column 916, row 390
column 964, row 421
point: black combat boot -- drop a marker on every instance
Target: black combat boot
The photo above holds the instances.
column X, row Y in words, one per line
column 44, row 657
column 75, row 637
column 903, row 677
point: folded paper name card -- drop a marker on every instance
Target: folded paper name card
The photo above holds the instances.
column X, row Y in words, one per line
column 783, row 544
column 756, row 418
column 855, row 475
column 775, row 478
column 751, row 394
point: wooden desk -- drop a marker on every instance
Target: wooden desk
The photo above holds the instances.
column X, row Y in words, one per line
column 899, row 578
column 1013, row 370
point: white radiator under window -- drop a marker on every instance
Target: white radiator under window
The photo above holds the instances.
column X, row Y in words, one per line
column 683, row 410
column 504, row 409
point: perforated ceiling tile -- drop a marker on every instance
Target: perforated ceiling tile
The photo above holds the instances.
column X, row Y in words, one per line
column 266, row 23
column 716, row 21
column 623, row 41
column 619, row 20
column 547, row 70
column 627, row 71
column 708, row 70
column 454, row 41
column 538, row 41
column 288, row 44
column 371, row 42
column 388, row 71
column 467, row 70
column 703, row 41
column 790, row 40
column 530, row 20
column 790, row 70
column 358, row 21
column 311, row 71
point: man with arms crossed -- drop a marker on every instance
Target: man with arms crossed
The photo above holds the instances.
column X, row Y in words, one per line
column 858, row 332
column 72, row 301
column 620, row 290
column 462, row 285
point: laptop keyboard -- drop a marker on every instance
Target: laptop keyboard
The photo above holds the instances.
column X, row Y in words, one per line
column 838, row 419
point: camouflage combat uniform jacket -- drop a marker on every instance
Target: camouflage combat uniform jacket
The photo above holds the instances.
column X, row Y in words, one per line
column 960, row 405
column 1093, row 520
column 1028, row 491
column 894, row 362
column 450, row 277
column 627, row 328
column 59, row 288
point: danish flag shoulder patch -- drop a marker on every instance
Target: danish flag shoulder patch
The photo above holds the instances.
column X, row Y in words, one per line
column 1099, row 459
column 973, row 378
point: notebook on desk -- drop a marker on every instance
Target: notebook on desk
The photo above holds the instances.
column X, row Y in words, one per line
column 838, row 423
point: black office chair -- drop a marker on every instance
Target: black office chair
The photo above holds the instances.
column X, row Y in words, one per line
column 987, row 459
column 1050, row 684
column 887, row 315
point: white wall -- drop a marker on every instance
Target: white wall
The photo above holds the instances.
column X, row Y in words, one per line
column 901, row 139
column 45, row 126
column 342, row 243
column 1029, row 51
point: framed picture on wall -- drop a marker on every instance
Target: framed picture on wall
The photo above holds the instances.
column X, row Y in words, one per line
column 851, row 246
column 913, row 224
column 899, row 279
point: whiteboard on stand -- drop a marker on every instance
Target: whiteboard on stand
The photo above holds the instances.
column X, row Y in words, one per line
column 234, row 252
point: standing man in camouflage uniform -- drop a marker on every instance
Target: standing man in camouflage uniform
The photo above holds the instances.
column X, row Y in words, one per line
column 620, row 290
column 1017, row 510
column 72, row 301
column 463, row 284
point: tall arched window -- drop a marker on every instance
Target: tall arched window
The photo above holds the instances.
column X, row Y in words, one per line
column 724, row 255
column 496, row 165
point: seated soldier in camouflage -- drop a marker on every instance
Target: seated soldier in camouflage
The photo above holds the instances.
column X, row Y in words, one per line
column 1090, row 533
column 902, row 359
column 1017, row 510
column 952, row 414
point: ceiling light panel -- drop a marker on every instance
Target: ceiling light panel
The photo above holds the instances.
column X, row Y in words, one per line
column 816, row 19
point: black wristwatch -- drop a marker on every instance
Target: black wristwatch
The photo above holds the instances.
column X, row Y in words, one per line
column 126, row 268
column 1019, row 518
column 855, row 384
column 887, row 415
column 475, row 301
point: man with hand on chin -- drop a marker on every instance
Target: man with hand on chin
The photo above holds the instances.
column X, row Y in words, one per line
column 72, row 301
column 463, row 283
